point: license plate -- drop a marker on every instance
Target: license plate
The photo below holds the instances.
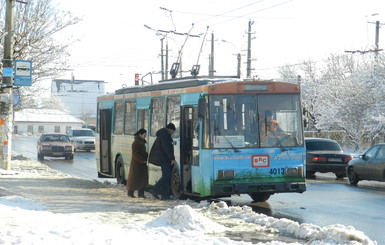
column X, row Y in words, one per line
column 334, row 159
column 57, row 153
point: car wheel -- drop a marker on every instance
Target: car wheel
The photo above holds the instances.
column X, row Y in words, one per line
column 40, row 157
column 119, row 171
column 260, row 196
column 176, row 185
column 352, row 176
column 310, row 174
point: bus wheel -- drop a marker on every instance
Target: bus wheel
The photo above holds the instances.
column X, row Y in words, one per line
column 119, row 171
column 176, row 185
column 260, row 196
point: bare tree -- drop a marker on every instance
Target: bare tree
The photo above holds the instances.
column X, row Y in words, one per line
column 37, row 27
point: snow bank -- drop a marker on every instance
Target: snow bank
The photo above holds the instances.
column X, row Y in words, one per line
column 315, row 235
column 184, row 218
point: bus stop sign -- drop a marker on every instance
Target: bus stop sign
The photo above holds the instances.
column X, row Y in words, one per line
column 23, row 73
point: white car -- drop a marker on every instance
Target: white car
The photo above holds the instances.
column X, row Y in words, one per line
column 82, row 138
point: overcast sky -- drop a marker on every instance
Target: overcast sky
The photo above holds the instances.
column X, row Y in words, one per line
column 114, row 44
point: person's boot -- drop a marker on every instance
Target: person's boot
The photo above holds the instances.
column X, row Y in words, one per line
column 141, row 193
column 131, row 194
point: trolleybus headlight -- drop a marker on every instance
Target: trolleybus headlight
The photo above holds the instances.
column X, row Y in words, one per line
column 226, row 174
column 292, row 171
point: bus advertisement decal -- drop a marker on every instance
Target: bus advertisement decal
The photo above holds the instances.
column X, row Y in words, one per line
column 260, row 161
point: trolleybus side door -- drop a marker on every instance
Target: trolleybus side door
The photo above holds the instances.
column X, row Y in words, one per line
column 105, row 141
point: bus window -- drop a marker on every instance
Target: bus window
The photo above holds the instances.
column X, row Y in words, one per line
column 173, row 114
column 195, row 136
column 157, row 115
column 280, row 120
column 129, row 118
column 142, row 119
column 233, row 121
column 118, row 117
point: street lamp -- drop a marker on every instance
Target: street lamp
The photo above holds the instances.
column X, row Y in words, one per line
column 238, row 58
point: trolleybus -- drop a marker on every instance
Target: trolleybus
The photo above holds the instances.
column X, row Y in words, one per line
column 222, row 144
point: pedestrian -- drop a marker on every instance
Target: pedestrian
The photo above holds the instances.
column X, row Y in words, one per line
column 162, row 154
column 138, row 175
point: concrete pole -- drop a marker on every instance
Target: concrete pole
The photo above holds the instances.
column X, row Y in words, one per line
column 6, row 110
column 211, row 66
column 248, row 69
column 377, row 37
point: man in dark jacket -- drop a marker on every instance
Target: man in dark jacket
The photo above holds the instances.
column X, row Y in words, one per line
column 162, row 154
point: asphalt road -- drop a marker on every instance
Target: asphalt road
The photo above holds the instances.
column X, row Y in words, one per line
column 327, row 201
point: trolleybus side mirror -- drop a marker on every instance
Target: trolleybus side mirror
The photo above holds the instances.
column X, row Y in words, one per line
column 202, row 107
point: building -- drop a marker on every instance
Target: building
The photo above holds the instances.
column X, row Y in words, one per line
column 34, row 121
column 79, row 96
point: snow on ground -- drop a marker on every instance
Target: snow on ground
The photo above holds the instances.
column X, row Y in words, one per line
column 25, row 221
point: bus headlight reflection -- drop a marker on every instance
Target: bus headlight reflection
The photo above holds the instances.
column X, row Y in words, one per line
column 226, row 174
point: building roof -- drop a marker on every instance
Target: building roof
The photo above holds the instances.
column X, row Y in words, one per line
column 45, row 115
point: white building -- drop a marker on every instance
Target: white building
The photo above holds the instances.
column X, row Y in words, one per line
column 79, row 96
column 35, row 121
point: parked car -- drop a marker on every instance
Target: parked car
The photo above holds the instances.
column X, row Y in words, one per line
column 83, row 138
column 369, row 166
column 325, row 155
column 54, row 145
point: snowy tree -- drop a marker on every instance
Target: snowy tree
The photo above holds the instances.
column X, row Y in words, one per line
column 344, row 93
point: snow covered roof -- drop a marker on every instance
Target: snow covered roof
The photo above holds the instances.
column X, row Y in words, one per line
column 45, row 115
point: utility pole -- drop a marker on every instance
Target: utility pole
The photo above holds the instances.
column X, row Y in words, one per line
column 6, row 110
column 239, row 65
column 211, row 66
column 161, row 58
column 376, row 44
column 166, row 73
column 377, row 37
column 248, row 69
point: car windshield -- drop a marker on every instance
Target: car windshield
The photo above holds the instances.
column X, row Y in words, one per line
column 50, row 138
column 78, row 133
column 322, row 146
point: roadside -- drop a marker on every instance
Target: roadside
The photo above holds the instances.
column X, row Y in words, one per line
column 63, row 193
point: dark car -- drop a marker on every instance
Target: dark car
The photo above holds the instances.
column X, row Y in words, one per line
column 54, row 145
column 369, row 166
column 325, row 155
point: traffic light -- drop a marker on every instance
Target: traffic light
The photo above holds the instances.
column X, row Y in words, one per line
column 136, row 79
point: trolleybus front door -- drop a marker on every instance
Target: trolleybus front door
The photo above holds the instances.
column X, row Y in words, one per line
column 105, row 141
column 186, row 146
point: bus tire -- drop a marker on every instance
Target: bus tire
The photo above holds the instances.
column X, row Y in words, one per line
column 119, row 171
column 260, row 196
column 176, row 183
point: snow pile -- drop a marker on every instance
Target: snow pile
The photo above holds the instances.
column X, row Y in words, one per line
column 20, row 202
column 184, row 218
column 332, row 234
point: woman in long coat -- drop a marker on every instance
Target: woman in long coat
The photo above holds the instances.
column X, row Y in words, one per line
column 138, row 174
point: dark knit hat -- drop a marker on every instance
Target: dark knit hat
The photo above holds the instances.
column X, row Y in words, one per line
column 171, row 126
column 140, row 131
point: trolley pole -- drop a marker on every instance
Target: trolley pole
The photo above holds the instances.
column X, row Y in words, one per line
column 6, row 110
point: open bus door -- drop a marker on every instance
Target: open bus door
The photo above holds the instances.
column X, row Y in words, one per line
column 186, row 146
column 105, row 141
